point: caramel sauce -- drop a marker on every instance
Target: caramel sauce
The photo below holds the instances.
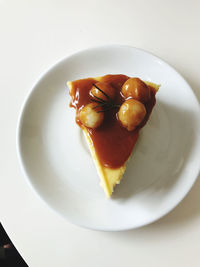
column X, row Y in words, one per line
column 112, row 142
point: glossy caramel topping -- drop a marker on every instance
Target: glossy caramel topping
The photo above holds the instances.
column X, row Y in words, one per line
column 112, row 142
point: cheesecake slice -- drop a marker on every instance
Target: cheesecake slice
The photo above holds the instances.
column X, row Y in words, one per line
column 111, row 110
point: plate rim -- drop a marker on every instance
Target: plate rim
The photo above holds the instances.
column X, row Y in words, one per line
column 20, row 123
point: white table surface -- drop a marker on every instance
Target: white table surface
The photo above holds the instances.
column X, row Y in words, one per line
column 33, row 36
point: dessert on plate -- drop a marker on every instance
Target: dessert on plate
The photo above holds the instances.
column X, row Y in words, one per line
column 111, row 110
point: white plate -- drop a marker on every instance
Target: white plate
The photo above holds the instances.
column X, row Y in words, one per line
column 56, row 160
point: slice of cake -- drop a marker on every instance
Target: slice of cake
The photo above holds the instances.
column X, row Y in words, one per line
column 111, row 110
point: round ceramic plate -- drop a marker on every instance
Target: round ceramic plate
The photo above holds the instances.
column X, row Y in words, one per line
column 56, row 160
